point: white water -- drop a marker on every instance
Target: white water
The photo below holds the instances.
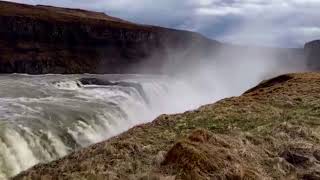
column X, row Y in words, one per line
column 46, row 117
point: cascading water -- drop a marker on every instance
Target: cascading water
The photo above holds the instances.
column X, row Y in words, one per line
column 46, row 117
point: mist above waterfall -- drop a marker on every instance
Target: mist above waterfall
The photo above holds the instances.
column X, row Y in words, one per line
column 224, row 70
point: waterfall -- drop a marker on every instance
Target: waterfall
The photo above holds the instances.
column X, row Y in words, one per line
column 43, row 118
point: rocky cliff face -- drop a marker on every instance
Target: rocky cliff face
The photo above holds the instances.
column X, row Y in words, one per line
column 42, row 39
column 312, row 51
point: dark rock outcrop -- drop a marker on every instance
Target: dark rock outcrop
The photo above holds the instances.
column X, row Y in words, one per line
column 312, row 51
column 103, row 82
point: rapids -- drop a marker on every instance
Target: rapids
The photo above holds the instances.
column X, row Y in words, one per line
column 45, row 117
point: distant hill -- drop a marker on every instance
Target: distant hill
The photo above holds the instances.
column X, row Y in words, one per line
column 44, row 39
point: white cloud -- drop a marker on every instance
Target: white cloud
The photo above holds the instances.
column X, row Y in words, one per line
column 219, row 11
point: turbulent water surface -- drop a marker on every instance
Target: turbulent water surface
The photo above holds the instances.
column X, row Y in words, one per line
column 46, row 117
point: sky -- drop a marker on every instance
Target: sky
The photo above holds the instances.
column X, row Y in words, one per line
column 280, row 23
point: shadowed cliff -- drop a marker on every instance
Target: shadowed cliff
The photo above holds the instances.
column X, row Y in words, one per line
column 312, row 51
column 45, row 39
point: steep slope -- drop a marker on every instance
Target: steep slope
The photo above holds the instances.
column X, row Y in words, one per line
column 44, row 39
column 270, row 132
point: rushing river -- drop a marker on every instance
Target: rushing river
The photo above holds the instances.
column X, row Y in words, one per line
column 46, row 117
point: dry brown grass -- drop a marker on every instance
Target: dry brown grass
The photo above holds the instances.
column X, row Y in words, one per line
column 204, row 155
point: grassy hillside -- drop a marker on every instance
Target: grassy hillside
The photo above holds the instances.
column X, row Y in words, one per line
column 270, row 132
